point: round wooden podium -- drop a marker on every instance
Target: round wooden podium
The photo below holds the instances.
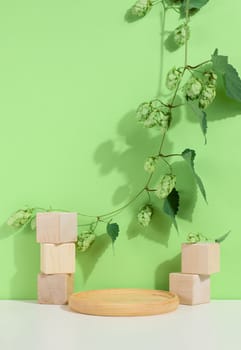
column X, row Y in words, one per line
column 123, row 302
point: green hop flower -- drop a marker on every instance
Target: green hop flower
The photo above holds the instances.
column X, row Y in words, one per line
column 20, row 217
column 165, row 186
column 150, row 165
column 207, row 96
column 85, row 240
column 153, row 114
column 156, row 105
column 143, row 111
column 196, row 237
column 210, row 77
column 152, row 119
column 193, row 88
column 173, row 77
column 144, row 215
column 193, row 238
column 180, row 34
column 141, row 7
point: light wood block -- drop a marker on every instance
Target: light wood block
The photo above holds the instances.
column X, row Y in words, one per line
column 191, row 289
column 57, row 258
column 55, row 289
column 56, row 227
column 201, row 258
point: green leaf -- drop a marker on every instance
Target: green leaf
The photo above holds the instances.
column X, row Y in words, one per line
column 194, row 6
column 197, row 4
column 113, row 230
column 232, row 83
column 171, row 205
column 222, row 238
column 201, row 186
column 201, row 115
column 189, row 156
column 219, row 62
column 231, row 79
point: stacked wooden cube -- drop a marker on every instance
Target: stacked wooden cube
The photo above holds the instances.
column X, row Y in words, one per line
column 198, row 262
column 56, row 233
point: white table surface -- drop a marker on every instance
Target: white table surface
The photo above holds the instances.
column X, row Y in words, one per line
column 30, row 326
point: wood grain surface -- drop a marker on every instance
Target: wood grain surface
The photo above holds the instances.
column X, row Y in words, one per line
column 123, row 302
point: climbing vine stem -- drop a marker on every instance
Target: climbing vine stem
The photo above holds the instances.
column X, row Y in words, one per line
column 198, row 92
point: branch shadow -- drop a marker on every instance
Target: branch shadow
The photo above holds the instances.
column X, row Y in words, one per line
column 135, row 145
column 163, row 271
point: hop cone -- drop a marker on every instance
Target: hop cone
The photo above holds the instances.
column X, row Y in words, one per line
column 180, row 34
column 209, row 89
column 153, row 114
column 141, row 7
column 85, row 240
column 20, row 217
column 173, row 77
column 165, row 186
column 144, row 215
column 193, row 88
column 150, row 165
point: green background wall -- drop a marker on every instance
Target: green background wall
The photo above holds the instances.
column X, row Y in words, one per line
column 71, row 75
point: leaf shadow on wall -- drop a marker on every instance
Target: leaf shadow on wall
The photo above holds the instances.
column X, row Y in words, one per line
column 137, row 144
column 160, row 227
column 134, row 145
column 127, row 153
column 222, row 107
column 163, row 271
column 170, row 44
column 24, row 282
column 158, row 230
column 6, row 231
column 130, row 18
column 88, row 260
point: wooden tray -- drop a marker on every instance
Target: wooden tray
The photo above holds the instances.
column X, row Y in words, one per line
column 123, row 302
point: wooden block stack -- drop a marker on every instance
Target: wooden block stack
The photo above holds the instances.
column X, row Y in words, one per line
column 56, row 233
column 199, row 261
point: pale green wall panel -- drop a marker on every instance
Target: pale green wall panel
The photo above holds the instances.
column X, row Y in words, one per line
column 71, row 75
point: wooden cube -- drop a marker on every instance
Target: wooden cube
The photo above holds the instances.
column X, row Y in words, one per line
column 56, row 227
column 57, row 258
column 201, row 258
column 191, row 289
column 55, row 289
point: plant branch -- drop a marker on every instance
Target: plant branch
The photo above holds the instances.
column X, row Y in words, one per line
column 198, row 65
column 170, row 155
column 186, row 32
column 124, row 206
